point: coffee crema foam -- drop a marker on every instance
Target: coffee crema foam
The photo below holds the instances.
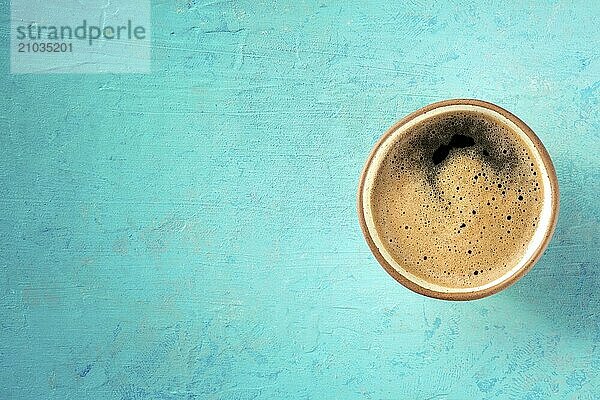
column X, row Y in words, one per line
column 457, row 199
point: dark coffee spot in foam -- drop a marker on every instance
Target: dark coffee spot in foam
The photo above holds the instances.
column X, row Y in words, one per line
column 435, row 142
column 456, row 142
column 461, row 141
column 441, row 153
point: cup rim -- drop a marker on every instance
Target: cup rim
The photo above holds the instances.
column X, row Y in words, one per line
column 477, row 293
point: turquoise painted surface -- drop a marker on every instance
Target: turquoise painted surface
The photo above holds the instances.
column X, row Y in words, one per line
column 192, row 233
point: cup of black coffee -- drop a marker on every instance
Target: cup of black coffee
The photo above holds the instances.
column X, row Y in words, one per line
column 458, row 200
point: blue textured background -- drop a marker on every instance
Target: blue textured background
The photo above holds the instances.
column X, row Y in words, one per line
column 192, row 233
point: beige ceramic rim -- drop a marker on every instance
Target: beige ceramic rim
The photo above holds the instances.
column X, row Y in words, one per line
column 406, row 278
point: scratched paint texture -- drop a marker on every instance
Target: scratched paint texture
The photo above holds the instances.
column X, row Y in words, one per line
column 192, row 233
